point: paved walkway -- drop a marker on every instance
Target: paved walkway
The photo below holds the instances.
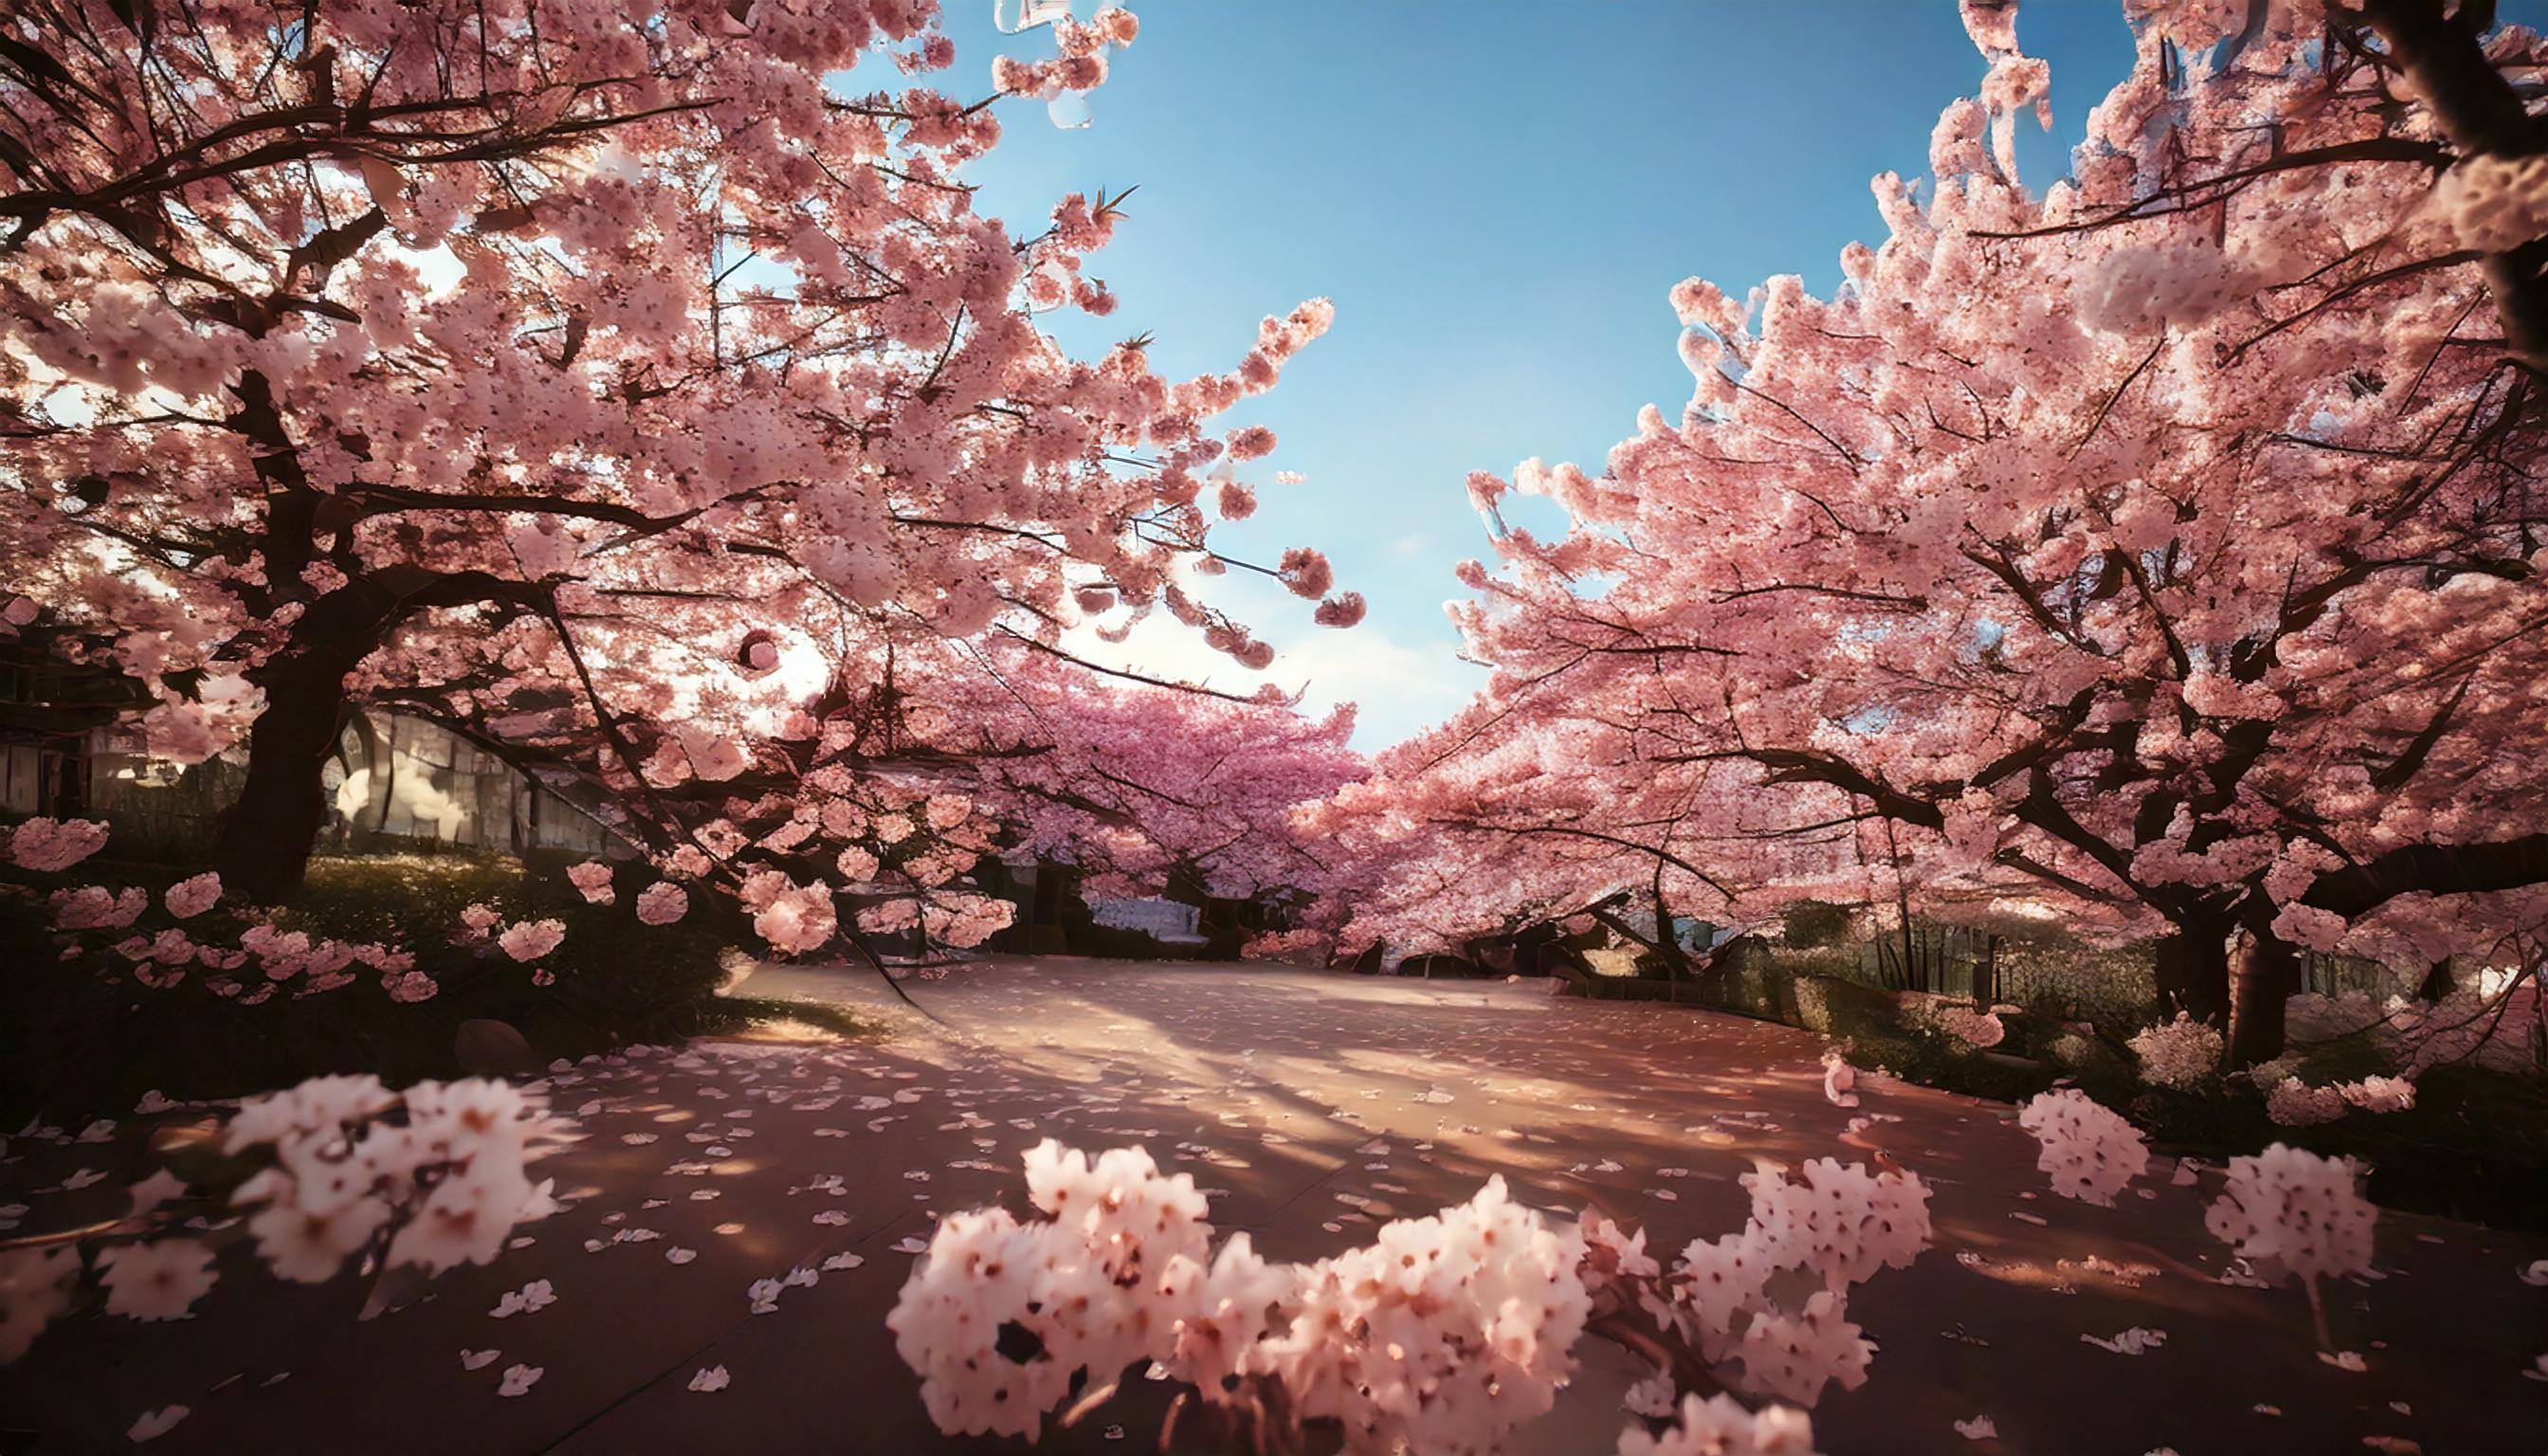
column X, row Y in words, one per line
column 1271, row 1086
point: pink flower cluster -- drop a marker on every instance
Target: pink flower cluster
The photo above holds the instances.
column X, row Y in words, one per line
column 2178, row 1053
column 662, row 903
column 795, row 919
column 49, row 844
column 2090, row 1151
column 1835, row 1225
column 1440, row 1335
column 434, row 1177
column 530, row 940
column 591, row 879
column 1979, row 1030
column 2294, row 1213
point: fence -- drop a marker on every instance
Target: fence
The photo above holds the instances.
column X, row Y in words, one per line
column 2338, row 975
column 1945, row 960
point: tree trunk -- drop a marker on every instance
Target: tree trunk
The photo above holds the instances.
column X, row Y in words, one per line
column 2194, row 969
column 2267, row 969
column 2439, row 982
column 1668, row 944
column 263, row 854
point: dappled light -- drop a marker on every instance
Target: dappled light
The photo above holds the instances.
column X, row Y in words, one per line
column 690, row 761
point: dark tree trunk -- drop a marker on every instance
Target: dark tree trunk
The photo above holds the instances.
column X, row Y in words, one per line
column 2439, row 982
column 2193, row 969
column 266, row 836
column 2267, row 970
column 1667, row 942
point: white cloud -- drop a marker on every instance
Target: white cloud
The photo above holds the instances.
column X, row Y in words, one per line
column 1398, row 688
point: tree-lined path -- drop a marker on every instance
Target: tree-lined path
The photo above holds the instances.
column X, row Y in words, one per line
column 1314, row 1105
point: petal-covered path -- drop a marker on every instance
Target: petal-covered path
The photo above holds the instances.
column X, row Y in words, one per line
column 1313, row 1106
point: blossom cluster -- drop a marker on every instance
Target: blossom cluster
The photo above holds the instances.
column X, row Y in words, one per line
column 2294, row 1213
column 2178, row 1053
column 1979, row 1030
column 451, row 1176
column 1442, row 1334
column 47, row 844
column 1824, row 1226
column 2293, row 1103
column 434, row 1177
column 2089, row 1149
column 1720, row 1426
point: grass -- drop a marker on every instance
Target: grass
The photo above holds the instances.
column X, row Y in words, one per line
column 2474, row 1146
column 738, row 1012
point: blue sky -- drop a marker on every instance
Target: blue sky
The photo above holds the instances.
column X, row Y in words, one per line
column 1498, row 196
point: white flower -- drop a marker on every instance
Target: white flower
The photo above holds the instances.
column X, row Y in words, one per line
column 711, row 1379
column 2088, row 1148
column 1721, row 1427
column 2178, row 1053
column 153, row 1424
column 158, row 1280
column 530, row 940
column 2295, row 1213
column 518, row 1379
column 1651, row 1397
column 35, row 1286
column 1793, row 1358
column 307, row 1242
column 1840, row 1222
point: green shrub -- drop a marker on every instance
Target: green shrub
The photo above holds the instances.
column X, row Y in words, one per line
column 1815, row 923
column 2346, row 1059
column 1938, row 1061
column 2061, row 979
column 2475, row 1145
column 75, row 1041
column 1843, row 1007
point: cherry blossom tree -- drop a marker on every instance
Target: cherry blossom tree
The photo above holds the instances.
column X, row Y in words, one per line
column 519, row 363
column 2163, row 542
column 1136, row 782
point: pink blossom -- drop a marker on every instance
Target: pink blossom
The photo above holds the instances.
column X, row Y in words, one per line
column 530, row 940
column 662, row 903
column 188, row 898
column 1307, row 573
column 593, row 879
column 49, row 844
column 797, row 920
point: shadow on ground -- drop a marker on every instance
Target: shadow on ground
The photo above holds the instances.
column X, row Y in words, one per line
column 1314, row 1105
